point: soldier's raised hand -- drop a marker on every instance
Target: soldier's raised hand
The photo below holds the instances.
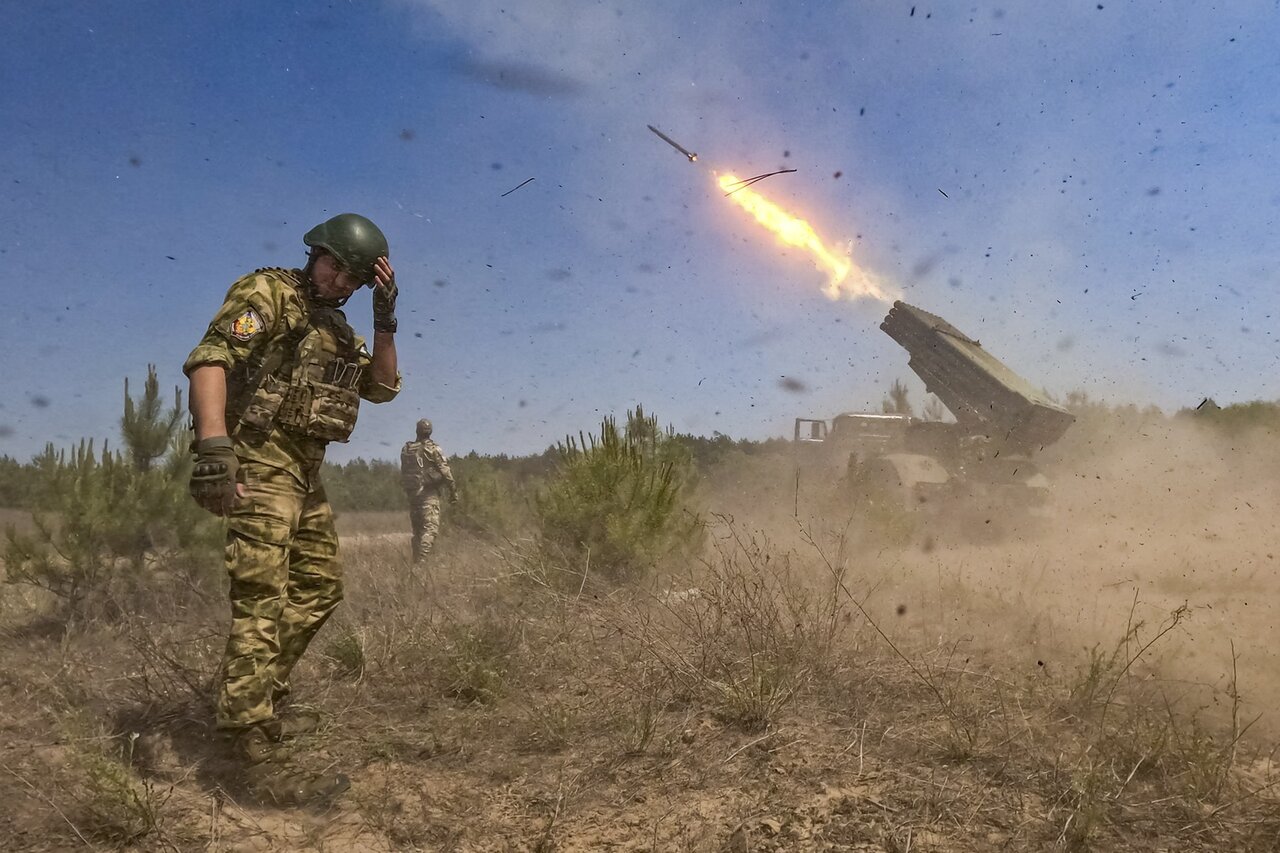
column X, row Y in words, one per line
column 385, row 293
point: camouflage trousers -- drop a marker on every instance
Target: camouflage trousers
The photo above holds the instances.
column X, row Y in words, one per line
column 424, row 517
column 282, row 556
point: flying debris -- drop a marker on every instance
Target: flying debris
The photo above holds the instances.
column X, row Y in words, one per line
column 516, row 187
column 746, row 182
column 693, row 158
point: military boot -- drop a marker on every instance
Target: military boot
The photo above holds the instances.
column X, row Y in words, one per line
column 290, row 721
column 272, row 776
column 282, row 783
column 294, row 722
column 256, row 744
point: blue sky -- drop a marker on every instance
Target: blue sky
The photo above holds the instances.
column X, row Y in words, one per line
column 1089, row 188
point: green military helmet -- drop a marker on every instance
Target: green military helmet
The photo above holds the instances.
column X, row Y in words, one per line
column 352, row 239
column 424, row 429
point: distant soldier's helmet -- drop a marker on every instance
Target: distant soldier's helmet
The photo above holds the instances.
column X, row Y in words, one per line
column 353, row 240
column 424, row 428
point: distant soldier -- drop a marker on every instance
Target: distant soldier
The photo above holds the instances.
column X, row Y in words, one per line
column 425, row 474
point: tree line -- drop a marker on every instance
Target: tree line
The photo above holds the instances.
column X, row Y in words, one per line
column 373, row 485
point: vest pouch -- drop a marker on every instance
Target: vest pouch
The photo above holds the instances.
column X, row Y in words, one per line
column 265, row 404
column 331, row 415
column 295, row 411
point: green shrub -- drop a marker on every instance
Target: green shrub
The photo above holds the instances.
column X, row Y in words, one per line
column 112, row 802
column 106, row 525
column 491, row 499
column 616, row 504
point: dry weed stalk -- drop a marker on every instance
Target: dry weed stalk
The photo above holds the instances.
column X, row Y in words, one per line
column 959, row 724
column 745, row 635
column 172, row 672
column 1146, row 742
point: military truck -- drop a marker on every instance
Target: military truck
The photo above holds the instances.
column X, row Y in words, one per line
column 978, row 470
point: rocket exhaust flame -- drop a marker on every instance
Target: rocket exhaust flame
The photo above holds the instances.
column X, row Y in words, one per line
column 844, row 278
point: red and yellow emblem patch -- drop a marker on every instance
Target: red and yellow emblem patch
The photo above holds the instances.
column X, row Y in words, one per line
column 246, row 325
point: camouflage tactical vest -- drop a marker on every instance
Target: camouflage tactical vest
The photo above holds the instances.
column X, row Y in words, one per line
column 418, row 468
column 308, row 379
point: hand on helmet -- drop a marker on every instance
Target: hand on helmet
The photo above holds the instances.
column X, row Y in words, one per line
column 213, row 477
column 385, row 293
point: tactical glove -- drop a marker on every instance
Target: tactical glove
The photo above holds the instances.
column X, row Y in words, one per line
column 213, row 478
column 384, row 306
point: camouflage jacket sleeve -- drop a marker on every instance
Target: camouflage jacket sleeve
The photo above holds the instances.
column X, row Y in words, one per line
column 371, row 389
column 252, row 313
column 442, row 463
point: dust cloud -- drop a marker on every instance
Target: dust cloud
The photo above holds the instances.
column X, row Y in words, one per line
column 1150, row 514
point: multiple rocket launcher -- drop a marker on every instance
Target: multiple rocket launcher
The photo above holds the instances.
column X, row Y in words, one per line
column 986, row 397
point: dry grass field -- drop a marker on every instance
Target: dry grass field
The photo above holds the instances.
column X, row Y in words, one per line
column 1105, row 684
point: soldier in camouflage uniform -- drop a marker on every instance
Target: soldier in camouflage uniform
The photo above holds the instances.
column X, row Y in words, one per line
column 424, row 473
column 278, row 375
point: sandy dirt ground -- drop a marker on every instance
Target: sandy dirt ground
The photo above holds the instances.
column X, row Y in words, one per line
column 1173, row 521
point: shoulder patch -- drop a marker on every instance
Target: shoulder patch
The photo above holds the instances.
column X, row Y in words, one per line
column 246, row 325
